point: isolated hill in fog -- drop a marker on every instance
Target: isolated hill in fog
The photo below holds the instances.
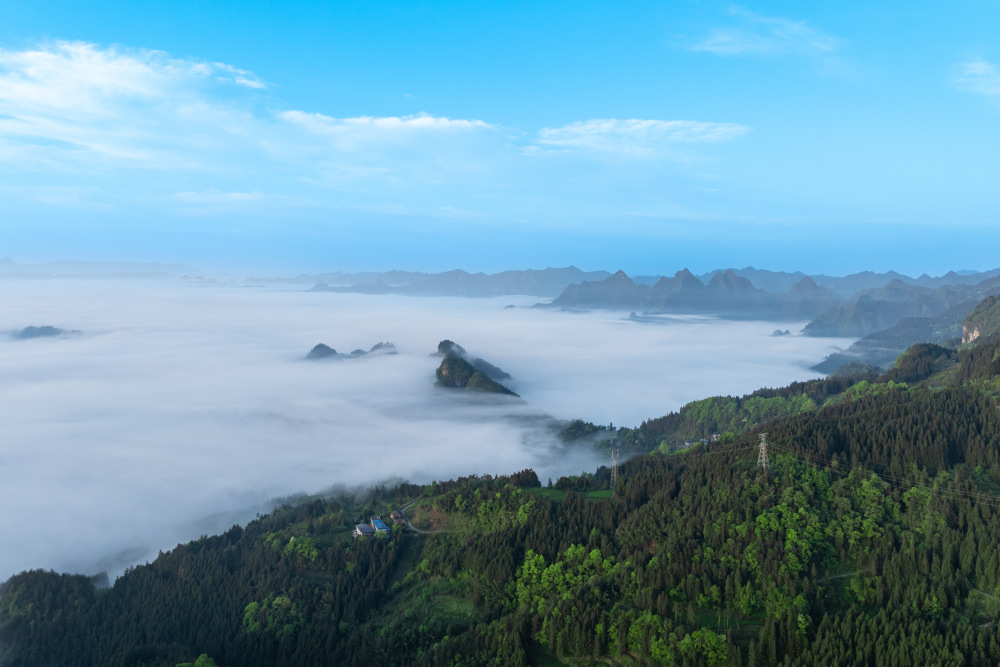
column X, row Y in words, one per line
column 44, row 331
column 448, row 348
column 324, row 351
column 457, row 373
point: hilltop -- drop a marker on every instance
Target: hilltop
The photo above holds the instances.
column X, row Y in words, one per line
column 460, row 370
column 45, row 331
column 324, row 351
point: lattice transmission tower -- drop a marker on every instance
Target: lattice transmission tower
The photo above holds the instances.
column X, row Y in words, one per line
column 614, row 470
column 762, row 455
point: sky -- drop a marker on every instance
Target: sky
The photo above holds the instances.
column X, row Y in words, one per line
column 646, row 136
column 181, row 407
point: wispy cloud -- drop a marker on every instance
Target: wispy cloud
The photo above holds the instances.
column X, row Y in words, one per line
column 240, row 77
column 420, row 137
column 979, row 76
column 756, row 34
column 75, row 114
column 73, row 103
column 390, row 126
column 634, row 137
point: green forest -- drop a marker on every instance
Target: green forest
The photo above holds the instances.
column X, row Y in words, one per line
column 869, row 538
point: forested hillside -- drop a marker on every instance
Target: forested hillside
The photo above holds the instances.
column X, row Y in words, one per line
column 869, row 539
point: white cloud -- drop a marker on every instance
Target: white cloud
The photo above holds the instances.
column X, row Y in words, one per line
column 765, row 35
column 322, row 124
column 78, row 115
column 351, row 134
column 74, row 105
column 634, row 137
column 240, row 77
column 979, row 76
column 79, row 106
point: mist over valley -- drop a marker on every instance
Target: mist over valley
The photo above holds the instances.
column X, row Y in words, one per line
column 176, row 409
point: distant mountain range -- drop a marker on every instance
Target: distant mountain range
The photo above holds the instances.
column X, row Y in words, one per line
column 543, row 283
column 881, row 348
column 887, row 312
column 895, row 317
column 875, row 309
column 726, row 294
column 847, row 286
column 746, row 292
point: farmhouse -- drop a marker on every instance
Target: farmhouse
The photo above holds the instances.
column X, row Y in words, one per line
column 363, row 529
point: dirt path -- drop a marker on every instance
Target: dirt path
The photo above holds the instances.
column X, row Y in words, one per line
column 414, row 528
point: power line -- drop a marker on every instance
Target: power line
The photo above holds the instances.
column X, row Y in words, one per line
column 891, row 480
column 765, row 461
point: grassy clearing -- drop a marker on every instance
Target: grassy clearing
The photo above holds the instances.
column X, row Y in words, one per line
column 425, row 516
column 555, row 495
column 440, row 602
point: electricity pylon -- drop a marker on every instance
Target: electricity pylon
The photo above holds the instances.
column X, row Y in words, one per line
column 614, row 470
column 762, row 456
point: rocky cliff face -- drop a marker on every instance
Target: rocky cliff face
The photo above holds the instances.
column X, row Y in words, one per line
column 970, row 333
column 983, row 322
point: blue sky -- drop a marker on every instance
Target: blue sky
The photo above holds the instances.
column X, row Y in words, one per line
column 306, row 136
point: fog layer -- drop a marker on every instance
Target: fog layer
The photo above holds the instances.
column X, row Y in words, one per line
column 180, row 402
